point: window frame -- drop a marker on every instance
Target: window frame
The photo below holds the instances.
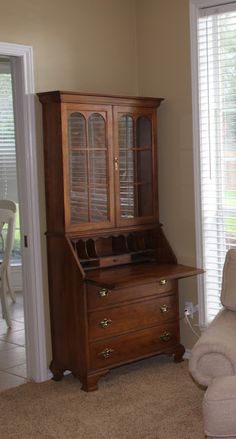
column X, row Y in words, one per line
column 194, row 9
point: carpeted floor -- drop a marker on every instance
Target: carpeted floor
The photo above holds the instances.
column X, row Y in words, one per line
column 150, row 399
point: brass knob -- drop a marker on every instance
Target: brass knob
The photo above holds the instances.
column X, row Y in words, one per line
column 105, row 322
column 164, row 308
column 103, row 292
column 166, row 336
column 116, row 161
column 163, row 282
column 106, row 353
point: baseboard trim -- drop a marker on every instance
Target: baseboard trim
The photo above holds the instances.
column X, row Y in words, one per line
column 50, row 375
column 187, row 354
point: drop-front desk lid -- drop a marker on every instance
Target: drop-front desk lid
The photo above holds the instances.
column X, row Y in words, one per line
column 135, row 274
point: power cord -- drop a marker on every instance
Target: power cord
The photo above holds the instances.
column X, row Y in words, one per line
column 186, row 318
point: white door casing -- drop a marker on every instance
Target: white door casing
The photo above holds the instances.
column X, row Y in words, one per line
column 24, row 107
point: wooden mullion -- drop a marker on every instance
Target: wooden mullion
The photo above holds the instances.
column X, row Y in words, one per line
column 136, row 197
column 127, row 155
column 75, row 148
column 107, row 169
column 87, row 165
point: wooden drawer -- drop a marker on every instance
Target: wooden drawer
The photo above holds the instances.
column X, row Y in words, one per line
column 133, row 346
column 98, row 297
column 132, row 316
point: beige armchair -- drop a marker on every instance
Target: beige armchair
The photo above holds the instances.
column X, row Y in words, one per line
column 214, row 354
column 213, row 360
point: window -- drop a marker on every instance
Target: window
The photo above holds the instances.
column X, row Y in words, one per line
column 8, row 176
column 216, row 97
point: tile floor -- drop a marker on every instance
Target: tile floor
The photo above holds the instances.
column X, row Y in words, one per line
column 12, row 347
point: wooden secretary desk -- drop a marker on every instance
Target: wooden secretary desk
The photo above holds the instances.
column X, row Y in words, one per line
column 112, row 273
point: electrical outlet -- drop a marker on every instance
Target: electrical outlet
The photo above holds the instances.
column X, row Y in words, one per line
column 189, row 309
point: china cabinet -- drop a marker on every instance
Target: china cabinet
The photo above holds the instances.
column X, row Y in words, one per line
column 113, row 277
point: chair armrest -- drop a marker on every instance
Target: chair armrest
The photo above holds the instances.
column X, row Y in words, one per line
column 214, row 354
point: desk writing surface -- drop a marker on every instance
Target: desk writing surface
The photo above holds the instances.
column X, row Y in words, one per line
column 133, row 274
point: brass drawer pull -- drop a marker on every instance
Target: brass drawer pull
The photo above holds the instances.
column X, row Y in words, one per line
column 106, row 353
column 105, row 322
column 103, row 292
column 163, row 282
column 164, row 308
column 166, row 336
column 116, row 161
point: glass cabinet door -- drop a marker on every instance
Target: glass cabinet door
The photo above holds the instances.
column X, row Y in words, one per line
column 89, row 169
column 134, row 167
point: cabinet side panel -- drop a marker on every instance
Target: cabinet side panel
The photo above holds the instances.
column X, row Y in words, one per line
column 164, row 252
column 67, row 308
column 53, row 161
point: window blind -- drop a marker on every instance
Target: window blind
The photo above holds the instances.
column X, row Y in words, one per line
column 217, row 120
column 8, row 179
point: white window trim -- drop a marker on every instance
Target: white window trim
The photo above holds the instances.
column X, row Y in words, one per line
column 194, row 7
column 29, row 209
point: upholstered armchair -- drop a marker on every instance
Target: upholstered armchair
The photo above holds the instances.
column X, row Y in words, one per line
column 214, row 354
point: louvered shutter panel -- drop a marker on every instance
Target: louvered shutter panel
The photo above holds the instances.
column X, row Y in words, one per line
column 126, row 168
column 89, row 190
column 217, row 118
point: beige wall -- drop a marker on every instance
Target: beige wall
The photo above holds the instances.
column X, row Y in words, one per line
column 80, row 45
column 164, row 70
column 86, row 45
column 95, row 46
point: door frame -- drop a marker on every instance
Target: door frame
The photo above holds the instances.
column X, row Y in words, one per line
column 27, row 175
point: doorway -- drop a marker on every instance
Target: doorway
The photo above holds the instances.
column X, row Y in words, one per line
column 32, row 279
column 12, row 340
